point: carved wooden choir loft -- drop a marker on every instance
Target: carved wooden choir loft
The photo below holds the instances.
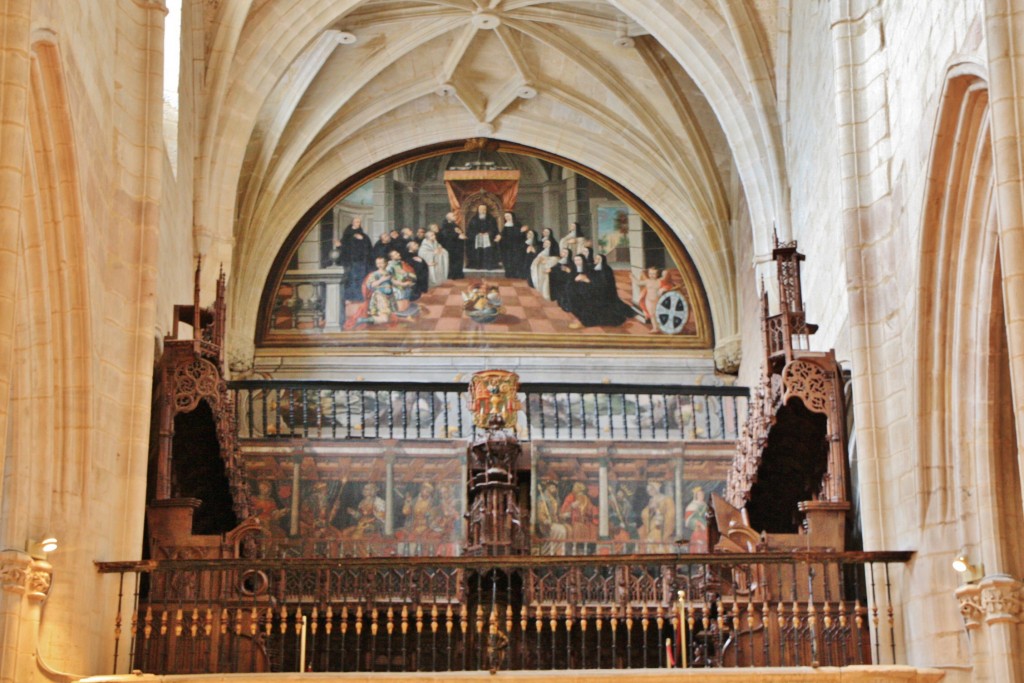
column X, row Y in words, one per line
column 371, row 527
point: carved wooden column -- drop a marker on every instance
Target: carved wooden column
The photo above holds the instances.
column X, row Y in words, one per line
column 495, row 522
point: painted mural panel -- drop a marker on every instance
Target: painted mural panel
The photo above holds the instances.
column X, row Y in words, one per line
column 485, row 249
column 628, row 501
column 360, row 505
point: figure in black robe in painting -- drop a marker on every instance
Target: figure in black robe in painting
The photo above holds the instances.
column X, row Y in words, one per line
column 402, row 241
column 603, row 306
column 591, row 295
column 453, row 239
column 482, row 230
column 508, row 243
column 570, row 290
column 585, row 249
column 356, row 258
column 382, row 247
column 421, row 268
column 560, row 275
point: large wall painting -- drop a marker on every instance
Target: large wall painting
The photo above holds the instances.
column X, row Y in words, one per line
column 486, row 249
column 622, row 500
column 354, row 505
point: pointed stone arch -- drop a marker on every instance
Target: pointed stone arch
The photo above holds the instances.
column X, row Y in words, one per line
column 52, row 335
column 967, row 475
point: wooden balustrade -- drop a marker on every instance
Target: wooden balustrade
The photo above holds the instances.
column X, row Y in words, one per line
column 351, row 410
column 506, row 613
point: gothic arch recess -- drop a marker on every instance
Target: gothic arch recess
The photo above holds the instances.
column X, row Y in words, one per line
column 962, row 432
column 48, row 395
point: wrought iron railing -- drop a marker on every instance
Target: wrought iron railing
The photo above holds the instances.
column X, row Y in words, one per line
column 354, row 410
column 506, row 613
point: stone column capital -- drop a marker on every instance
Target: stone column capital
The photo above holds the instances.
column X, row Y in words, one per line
column 1002, row 599
column 14, row 568
column 23, row 575
column 994, row 599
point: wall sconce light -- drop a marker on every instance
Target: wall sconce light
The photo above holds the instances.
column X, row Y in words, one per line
column 962, row 565
column 40, row 549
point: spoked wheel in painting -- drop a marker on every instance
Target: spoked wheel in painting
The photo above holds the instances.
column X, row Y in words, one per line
column 672, row 312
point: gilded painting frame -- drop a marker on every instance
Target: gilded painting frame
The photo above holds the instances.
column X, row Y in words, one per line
column 442, row 342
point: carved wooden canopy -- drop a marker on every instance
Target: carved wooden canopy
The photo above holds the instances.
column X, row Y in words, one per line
column 791, row 453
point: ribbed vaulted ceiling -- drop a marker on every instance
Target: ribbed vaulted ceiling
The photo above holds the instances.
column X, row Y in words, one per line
column 673, row 100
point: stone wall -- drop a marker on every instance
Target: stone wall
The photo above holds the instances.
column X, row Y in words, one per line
column 89, row 239
column 97, row 237
column 812, row 158
column 889, row 63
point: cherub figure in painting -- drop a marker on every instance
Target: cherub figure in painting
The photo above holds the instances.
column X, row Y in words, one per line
column 482, row 302
column 653, row 283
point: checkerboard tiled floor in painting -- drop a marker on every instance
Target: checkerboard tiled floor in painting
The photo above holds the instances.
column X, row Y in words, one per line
column 525, row 310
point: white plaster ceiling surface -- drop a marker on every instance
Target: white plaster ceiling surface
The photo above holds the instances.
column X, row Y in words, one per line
column 670, row 99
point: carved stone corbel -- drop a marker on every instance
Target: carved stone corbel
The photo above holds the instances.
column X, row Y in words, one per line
column 40, row 576
column 728, row 354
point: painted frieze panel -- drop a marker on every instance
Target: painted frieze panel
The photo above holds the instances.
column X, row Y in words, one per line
column 622, row 499
column 345, row 505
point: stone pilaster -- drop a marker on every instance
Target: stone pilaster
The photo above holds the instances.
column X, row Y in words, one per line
column 1004, row 26
column 15, row 66
column 992, row 609
column 859, row 52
